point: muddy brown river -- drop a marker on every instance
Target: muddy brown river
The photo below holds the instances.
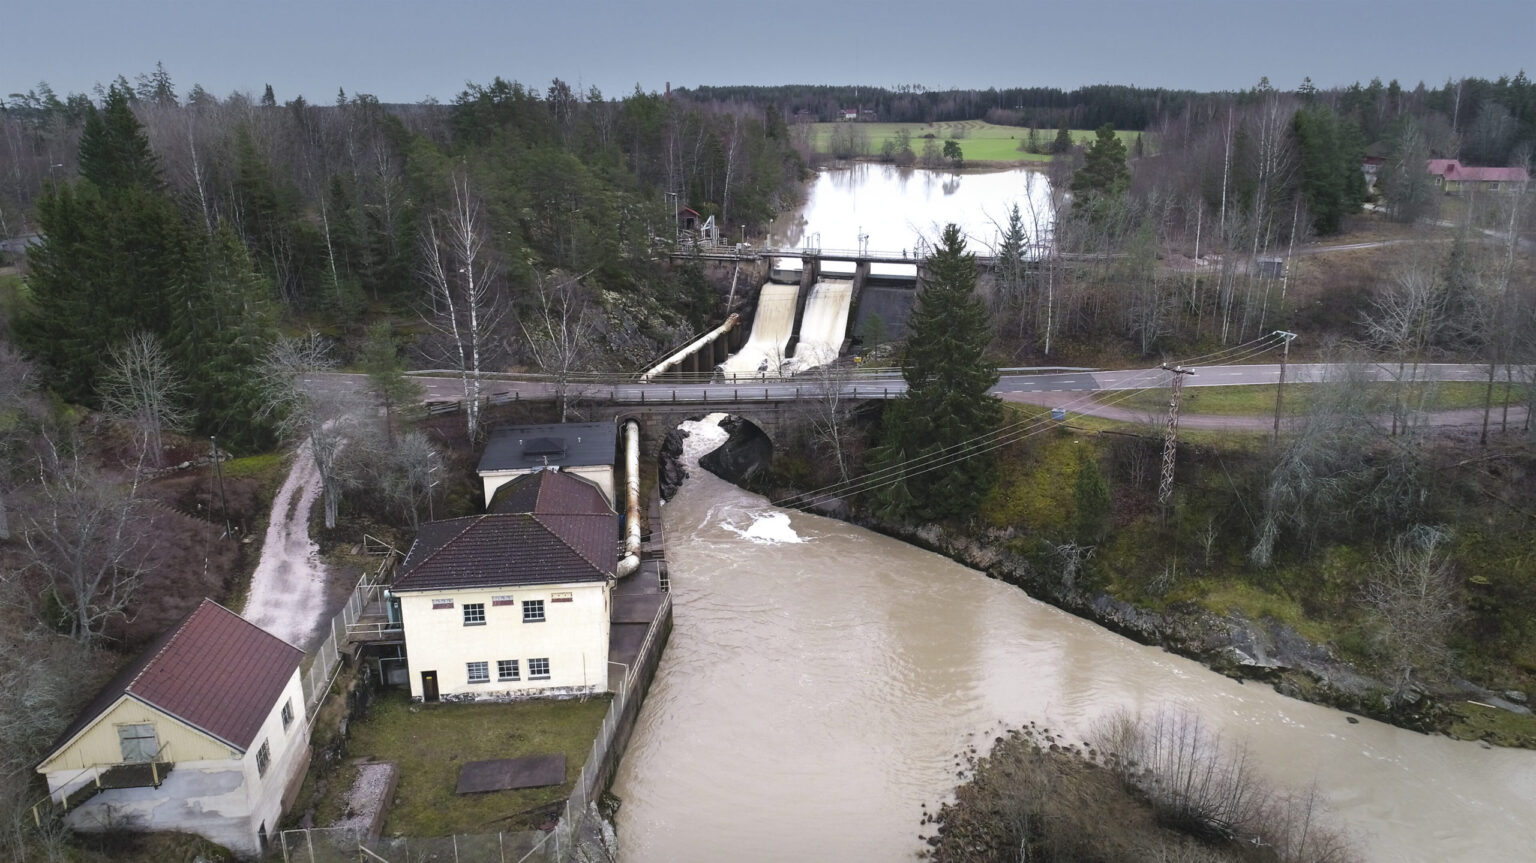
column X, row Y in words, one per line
column 821, row 679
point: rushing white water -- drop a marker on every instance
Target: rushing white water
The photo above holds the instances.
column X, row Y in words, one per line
column 772, row 325
column 824, row 324
column 820, row 679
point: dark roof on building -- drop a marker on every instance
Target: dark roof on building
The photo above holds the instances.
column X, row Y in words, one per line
column 215, row 671
column 551, row 492
column 564, row 445
column 509, row 549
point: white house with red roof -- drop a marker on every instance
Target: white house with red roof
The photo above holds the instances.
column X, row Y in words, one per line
column 1452, row 177
column 516, row 602
column 204, row 732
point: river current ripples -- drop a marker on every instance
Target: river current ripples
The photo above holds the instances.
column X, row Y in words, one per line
column 821, row 680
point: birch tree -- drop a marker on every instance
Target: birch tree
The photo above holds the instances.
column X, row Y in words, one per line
column 142, row 389
column 559, row 333
column 463, row 283
column 1404, row 321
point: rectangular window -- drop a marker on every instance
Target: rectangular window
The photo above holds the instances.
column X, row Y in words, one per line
column 503, row 600
column 263, row 758
column 138, row 742
column 440, row 604
column 474, row 614
column 538, row 669
column 479, row 672
column 533, row 611
column 287, row 713
column 506, row 669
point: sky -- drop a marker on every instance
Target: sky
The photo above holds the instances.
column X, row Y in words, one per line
column 409, row 50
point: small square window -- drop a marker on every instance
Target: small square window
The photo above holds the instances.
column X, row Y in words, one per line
column 506, row 669
column 474, row 614
column 533, row 611
column 538, row 669
column 479, row 672
column 263, row 758
column 287, row 713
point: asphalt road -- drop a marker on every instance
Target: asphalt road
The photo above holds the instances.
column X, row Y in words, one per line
column 1068, row 389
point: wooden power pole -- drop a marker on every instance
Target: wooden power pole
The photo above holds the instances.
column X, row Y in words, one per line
column 1285, row 354
column 1171, row 442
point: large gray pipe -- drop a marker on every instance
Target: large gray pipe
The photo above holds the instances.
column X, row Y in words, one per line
column 692, row 348
column 631, row 559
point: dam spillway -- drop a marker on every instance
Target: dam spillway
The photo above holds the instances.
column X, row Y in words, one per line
column 772, row 325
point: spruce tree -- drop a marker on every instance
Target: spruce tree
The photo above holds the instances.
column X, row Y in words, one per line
column 112, row 245
column 947, row 406
column 1063, row 141
column 224, row 320
column 1103, row 172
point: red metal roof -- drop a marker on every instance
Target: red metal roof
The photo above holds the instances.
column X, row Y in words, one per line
column 215, row 671
column 1453, row 169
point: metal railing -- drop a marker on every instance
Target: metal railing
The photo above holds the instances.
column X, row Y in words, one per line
column 337, row 844
column 323, row 668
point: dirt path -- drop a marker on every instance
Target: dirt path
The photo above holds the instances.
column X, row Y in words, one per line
column 288, row 590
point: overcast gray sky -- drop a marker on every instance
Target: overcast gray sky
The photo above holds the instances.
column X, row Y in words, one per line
column 406, row 50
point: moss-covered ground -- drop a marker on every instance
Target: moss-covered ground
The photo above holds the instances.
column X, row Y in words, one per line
column 979, row 141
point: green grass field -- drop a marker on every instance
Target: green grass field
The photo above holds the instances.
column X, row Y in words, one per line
column 1256, row 400
column 979, row 141
column 430, row 742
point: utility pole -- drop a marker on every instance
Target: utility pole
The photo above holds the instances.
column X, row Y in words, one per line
column 218, row 471
column 1171, row 442
column 1285, row 354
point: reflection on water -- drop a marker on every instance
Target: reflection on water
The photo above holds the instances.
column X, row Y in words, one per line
column 899, row 209
column 820, row 679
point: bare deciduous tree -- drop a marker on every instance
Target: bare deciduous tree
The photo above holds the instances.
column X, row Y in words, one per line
column 830, row 411
column 1412, row 603
column 86, row 535
column 463, row 282
column 307, row 411
column 1403, row 322
column 559, row 333
column 142, row 389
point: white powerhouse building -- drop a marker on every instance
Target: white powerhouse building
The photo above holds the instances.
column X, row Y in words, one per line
column 515, row 602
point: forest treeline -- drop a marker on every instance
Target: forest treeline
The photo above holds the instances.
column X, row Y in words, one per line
column 1490, row 117
column 210, row 222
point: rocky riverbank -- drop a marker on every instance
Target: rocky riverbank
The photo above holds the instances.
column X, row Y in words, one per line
column 1264, row 650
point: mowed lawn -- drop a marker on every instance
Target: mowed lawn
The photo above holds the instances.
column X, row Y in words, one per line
column 1260, row 399
column 979, row 141
column 431, row 742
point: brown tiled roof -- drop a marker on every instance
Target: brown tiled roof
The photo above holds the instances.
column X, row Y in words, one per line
column 507, row 549
column 552, row 492
column 215, row 671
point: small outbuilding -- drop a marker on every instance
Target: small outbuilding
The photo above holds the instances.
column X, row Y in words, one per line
column 586, row 449
column 1452, row 177
column 204, row 732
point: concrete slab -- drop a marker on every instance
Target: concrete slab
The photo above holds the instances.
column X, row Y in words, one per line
column 624, row 640
column 635, row 608
column 502, row 774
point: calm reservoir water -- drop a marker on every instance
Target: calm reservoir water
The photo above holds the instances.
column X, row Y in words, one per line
column 821, row 679
column 897, row 208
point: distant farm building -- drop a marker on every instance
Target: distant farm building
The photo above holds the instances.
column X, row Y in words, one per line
column 1452, row 177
